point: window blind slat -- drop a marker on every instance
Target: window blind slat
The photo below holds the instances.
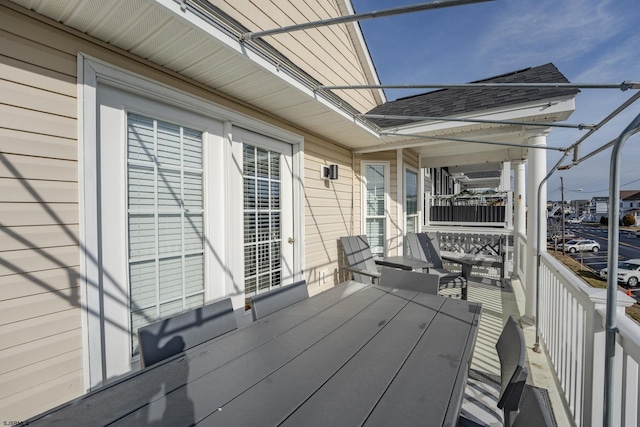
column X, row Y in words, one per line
column 170, row 278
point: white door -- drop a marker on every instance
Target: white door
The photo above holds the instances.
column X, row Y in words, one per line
column 267, row 205
column 169, row 194
column 157, row 229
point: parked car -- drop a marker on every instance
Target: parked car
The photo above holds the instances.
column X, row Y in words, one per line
column 574, row 221
column 628, row 272
column 573, row 246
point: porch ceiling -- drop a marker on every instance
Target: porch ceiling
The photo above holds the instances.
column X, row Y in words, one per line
column 193, row 46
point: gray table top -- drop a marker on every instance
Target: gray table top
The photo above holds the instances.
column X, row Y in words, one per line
column 353, row 355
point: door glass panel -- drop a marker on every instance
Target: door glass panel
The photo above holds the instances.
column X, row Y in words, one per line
column 165, row 220
column 411, row 201
column 262, row 219
column 375, row 216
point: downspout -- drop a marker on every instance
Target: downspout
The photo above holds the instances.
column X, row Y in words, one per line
column 612, row 267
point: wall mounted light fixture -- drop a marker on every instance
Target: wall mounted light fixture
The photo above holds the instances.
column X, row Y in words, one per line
column 329, row 172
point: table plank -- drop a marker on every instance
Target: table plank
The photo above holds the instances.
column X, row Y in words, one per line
column 424, row 391
column 272, row 399
column 361, row 382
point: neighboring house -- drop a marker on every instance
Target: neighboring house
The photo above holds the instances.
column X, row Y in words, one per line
column 598, row 207
column 578, row 207
column 630, row 204
column 151, row 161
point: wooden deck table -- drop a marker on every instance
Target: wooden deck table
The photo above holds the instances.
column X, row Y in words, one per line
column 353, row 355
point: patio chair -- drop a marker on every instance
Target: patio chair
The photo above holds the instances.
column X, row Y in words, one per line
column 276, row 299
column 168, row 337
column 360, row 259
column 427, row 248
column 410, row 281
column 533, row 411
column 513, row 374
column 485, row 396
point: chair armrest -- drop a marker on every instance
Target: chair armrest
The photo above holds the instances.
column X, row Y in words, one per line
column 373, row 274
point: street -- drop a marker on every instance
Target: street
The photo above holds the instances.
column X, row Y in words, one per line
column 628, row 248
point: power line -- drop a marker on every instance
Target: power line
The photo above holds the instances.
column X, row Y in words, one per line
column 621, row 185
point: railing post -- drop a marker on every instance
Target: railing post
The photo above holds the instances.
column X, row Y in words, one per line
column 593, row 400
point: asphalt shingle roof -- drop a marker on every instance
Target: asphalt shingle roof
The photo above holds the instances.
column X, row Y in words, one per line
column 452, row 102
column 630, row 195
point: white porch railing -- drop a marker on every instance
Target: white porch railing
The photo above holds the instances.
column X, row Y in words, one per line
column 572, row 329
column 520, row 262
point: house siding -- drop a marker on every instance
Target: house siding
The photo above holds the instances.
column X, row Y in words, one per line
column 40, row 318
column 328, row 212
column 326, row 53
column 41, row 335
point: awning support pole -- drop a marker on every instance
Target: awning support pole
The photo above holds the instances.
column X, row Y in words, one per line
column 611, row 327
column 360, row 17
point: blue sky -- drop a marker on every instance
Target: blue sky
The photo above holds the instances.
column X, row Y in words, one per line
column 589, row 41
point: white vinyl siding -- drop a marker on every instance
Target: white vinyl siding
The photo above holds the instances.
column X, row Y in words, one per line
column 165, row 220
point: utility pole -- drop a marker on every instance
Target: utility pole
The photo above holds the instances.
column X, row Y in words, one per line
column 562, row 211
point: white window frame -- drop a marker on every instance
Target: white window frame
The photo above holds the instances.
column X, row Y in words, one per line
column 417, row 215
column 91, row 73
column 387, row 200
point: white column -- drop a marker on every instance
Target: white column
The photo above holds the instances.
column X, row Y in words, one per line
column 519, row 215
column 537, row 170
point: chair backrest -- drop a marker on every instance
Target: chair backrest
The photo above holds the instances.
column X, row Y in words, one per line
column 359, row 256
column 276, row 299
column 426, row 247
column 533, row 411
column 168, row 337
column 511, row 351
column 410, row 281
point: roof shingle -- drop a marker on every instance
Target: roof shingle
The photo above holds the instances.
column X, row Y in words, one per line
column 452, row 102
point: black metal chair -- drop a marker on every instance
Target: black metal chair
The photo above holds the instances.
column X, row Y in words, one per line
column 427, row 248
column 533, row 411
column 276, row 299
column 485, row 396
column 168, row 337
column 513, row 374
column 360, row 259
column 410, row 281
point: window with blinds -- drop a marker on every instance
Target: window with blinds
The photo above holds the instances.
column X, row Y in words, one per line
column 375, row 207
column 262, row 219
column 165, row 220
column 411, row 201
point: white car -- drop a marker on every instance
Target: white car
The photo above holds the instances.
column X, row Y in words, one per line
column 574, row 221
column 628, row 272
column 573, row 246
